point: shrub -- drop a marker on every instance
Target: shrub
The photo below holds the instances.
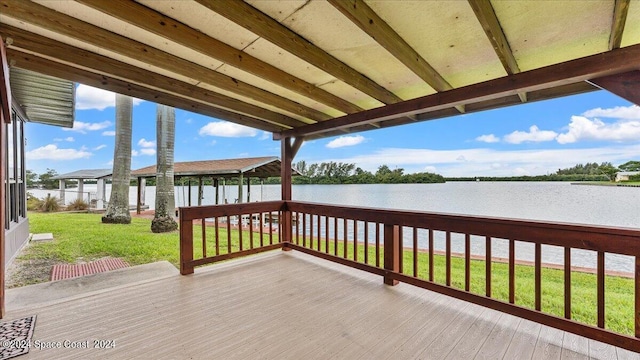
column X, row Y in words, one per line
column 33, row 203
column 78, row 204
column 50, row 204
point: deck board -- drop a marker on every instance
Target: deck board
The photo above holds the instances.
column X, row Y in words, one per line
column 290, row 306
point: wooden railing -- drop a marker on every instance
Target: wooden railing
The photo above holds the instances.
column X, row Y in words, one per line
column 404, row 246
column 228, row 231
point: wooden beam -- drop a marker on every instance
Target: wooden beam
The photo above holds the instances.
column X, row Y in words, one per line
column 486, row 15
column 44, row 17
column 620, row 10
column 64, row 71
column 297, row 143
column 97, row 63
column 626, row 85
column 609, row 63
column 161, row 25
column 266, row 27
column 5, row 85
column 5, row 108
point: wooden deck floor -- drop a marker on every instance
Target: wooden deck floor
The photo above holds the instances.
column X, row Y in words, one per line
column 292, row 306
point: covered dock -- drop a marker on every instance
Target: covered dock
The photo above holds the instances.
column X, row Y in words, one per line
column 99, row 175
column 219, row 171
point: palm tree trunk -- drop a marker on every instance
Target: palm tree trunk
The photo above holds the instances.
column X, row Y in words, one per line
column 118, row 209
column 163, row 220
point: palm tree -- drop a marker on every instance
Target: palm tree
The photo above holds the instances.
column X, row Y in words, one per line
column 118, row 209
column 163, row 220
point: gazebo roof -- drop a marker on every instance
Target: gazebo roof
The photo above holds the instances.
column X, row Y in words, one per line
column 85, row 174
column 262, row 167
column 321, row 68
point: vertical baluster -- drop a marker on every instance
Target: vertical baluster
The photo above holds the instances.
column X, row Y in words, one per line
column 251, row 231
column 637, row 296
column 240, row 230
column 297, row 228
column 366, row 242
column 377, row 244
column 415, row 252
column 261, row 230
column 430, row 254
column 512, row 272
column 355, row 240
column 401, row 248
column 600, row 291
column 467, row 262
column 487, row 266
column 271, row 227
column 345, row 238
column 204, row 240
column 538, row 276
column 228, row 234
column 567, row 282
column 326, row 234
column 319, row 233
column 280, row 222
column 335, row 236
column 311, row 231
column 216, row 225
column 448, row 258
column 304, row 230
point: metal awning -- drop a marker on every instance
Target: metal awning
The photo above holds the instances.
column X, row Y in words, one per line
column 92, row 174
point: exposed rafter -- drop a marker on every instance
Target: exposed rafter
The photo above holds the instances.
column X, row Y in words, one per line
column 100, row 64
column 620, row 10
column 491, row 26
column 604, row 64
column 155, row 22
column 264, row 26
column 39, row 15
column 48, row 67
column 366, row 19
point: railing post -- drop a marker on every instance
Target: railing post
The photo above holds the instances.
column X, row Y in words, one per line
column 391, row 251
column 285, row 222
column 186, row 245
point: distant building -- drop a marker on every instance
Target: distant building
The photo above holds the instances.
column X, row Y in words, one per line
column 624, row 175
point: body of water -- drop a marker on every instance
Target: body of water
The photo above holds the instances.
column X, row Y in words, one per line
column 547, row 201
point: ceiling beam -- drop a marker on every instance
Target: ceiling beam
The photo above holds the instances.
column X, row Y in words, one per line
column 5, row 94
column 486, row 15
column 101, row 64
column 620, row 9
column 52, row 68
column 155, row 22
column 604, row 64
column 626, row 85
column 44, row 17
column 264, row 26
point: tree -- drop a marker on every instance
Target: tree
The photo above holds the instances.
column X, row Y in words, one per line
column 31, row 178
column 118, row 209
column 630, row 166
column 46, row 181
column 163, row 220
column 609, row 170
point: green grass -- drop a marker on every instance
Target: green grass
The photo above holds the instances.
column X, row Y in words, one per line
column 83, row 236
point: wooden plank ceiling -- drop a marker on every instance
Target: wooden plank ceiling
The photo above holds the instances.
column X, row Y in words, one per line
column 318, row 68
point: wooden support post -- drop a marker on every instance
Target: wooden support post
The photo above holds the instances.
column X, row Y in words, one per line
column 5, row 117
column 189, row 191
column 285, row 181
column 200, row 191
column 391, row 253
column 139, row 197
column 240, row 183
column 216, row 184
column 248, row 189
column 186, row 246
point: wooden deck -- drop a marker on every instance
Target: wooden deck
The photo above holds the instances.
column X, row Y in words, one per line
column 287, row 305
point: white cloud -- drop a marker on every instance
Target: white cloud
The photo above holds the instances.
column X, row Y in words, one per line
column 534, row 135
column 83, row 127
column 490, row 138
column 431, row 169
column 483, row 161
column 619, row 112
column 69, row 139
column 109, row 133
column 88, row 98
column 52, row 152
column 343, row 141
column 265, row 135
column 582, row 128
column 134, row 152
column 147, row 151
column 146, row 144
column 227, row 129
column 99, row 147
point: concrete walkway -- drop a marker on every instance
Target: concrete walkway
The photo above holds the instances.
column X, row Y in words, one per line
column 63, row 290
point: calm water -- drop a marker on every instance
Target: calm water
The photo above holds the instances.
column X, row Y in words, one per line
column 558, row 202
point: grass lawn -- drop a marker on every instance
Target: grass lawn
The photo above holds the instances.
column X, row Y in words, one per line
column 84, row 237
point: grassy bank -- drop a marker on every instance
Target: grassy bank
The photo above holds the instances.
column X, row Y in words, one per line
column 82, row 237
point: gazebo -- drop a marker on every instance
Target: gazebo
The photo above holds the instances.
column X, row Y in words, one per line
column 99, row 175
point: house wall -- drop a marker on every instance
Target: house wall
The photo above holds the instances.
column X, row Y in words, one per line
column 15, row 239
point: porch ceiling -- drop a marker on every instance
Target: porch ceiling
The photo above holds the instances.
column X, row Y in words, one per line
column 320, row 68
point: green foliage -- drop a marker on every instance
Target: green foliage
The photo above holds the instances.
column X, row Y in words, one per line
column 78, row 204
column 630, row 166
column 345, row 173
column 634, row 177
column 609, row 170
column 31, row 178
column 33, row 203
column 46, row 181
column 50, row 204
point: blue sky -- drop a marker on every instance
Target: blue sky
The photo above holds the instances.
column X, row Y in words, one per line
column 529, row 139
